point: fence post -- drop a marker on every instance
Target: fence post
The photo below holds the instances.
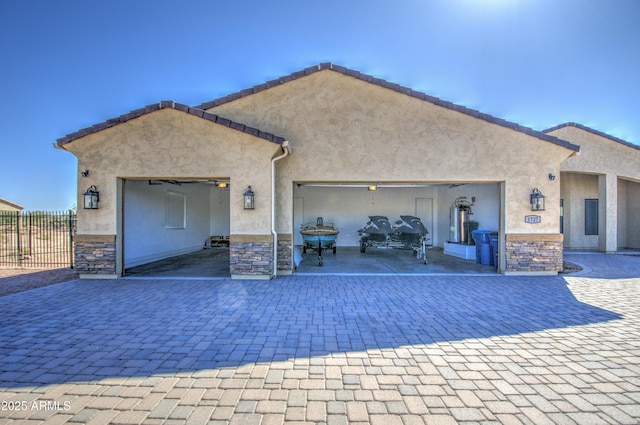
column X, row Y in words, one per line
column 30, row 234
column 18, row 238
column 71, row 238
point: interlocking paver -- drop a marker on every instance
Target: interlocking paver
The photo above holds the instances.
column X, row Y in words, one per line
column 103, row 417
column 329, row 349
column 271, row 406
column 357, row 411
column 129, row 418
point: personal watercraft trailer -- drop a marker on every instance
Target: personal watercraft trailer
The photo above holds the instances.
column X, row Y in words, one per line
column 406, row 233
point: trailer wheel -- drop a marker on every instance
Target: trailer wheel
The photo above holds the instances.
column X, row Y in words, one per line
column 304, row 248
column 334, row 250
column 363, row 247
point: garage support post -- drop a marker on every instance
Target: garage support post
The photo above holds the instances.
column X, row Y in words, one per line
column 608, row 206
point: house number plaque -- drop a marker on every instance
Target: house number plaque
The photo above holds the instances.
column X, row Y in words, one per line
column 532, row 219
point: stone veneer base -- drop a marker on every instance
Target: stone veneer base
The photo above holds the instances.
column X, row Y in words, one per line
column 95, row 255
column 250, row 256
column 285, row 254
column 98, row 276
column 533, row 254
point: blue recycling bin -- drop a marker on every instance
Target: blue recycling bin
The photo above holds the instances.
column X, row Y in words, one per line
column 483, row 246
column 493, row 242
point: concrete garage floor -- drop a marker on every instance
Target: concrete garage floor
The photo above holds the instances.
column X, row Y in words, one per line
column 349, row 260
column 214, row 263
column 206, row 263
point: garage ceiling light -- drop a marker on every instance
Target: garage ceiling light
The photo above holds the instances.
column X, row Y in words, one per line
column 373, row 187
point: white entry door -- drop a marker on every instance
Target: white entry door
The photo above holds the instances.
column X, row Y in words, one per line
column 424, row 211
column 298, row 219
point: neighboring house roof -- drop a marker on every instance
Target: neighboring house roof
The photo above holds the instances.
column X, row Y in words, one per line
column 392, row 86
column 11, row 204
column 591, row 130
column 169, row 104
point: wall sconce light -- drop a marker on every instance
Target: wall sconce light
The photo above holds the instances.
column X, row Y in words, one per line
column 372, row 187
column 85, row 173
column 248, row 199
column 537, row 200
column 552, row 177
column 91, row 198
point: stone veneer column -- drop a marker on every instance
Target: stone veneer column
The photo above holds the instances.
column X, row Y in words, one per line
column 533, row 253
column 95, row 255
column 251, row 256
column 285, row 253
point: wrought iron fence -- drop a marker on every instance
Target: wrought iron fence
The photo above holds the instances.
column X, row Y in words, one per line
column 37, row 238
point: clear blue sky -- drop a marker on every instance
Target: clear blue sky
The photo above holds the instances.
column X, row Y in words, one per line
column 68, row 65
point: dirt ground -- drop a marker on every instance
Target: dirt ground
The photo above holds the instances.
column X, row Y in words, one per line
column 14, row 280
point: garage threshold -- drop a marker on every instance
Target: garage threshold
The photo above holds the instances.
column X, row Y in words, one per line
column 397, row 274
column 349, row 261
column 213, row 264
column 204, row 264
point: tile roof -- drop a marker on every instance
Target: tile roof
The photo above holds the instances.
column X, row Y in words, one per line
column 392, row 86
column 169, row 104
column 591, row 130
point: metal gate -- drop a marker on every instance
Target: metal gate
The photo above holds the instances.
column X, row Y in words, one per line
column 41, row 239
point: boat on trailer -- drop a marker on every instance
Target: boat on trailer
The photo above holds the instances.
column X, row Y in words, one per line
column 319, row 236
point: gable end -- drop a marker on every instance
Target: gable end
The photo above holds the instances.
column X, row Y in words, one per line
column 391, row 86
column 168, row 104
column 592, row 131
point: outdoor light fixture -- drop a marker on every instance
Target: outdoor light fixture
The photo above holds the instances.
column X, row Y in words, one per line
column 537, row 200
column 372, row 187
column 91, row 198
column 552, row 177
column 248, row 199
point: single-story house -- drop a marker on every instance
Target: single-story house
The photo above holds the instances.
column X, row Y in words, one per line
column 9, row 206
column 311, row 144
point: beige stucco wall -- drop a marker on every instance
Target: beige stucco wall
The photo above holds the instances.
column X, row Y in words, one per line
column 607, row 170
column 577, row 187
column 599, row 155
column 346, row 130
column 9, row 207
column 630, row 238
column 170, row 144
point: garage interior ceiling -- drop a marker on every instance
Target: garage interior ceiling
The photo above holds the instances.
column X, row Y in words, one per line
column 215, row 182
column 378, row 185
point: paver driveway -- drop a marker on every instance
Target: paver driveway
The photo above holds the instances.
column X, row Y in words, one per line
column 328, row 349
